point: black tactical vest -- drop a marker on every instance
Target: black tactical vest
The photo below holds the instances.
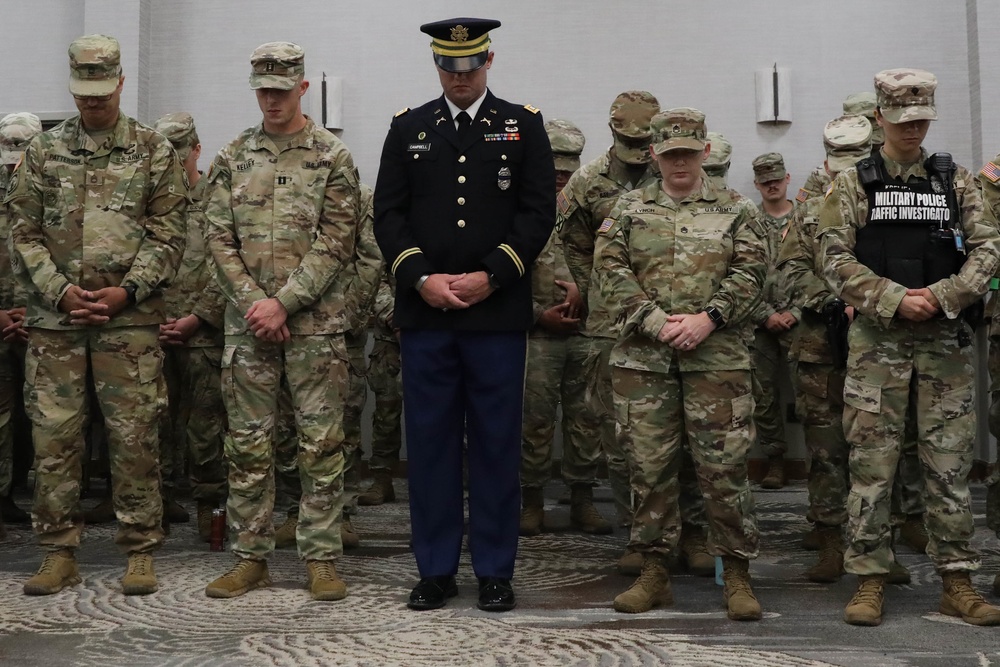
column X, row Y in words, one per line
column 911, row 230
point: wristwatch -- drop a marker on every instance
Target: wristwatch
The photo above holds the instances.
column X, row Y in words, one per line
column 130, row 289
column 494, row 283
column 715, row 315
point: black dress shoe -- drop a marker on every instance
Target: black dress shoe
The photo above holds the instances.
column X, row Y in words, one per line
column 496, row 594
column 431, row 593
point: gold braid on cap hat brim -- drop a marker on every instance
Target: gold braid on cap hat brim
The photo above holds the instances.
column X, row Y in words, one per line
column 444, row 47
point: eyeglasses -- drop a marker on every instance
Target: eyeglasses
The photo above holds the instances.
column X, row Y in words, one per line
column 96, row 98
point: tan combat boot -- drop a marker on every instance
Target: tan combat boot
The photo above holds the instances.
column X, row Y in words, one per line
column 380, row 491
column 959, row 598
column 284, row 536
column 57, row 571
column 582, row 513
column 532, row 511
column 913, row 534
column 865, row 608
column 245, row 576
column 738, row 595
column 205, row 520
column 774, row 478
column 630, row 563
column 694, row 551
column 323, row 582
column 651, row 589
column 812, row 540
column 348, row 537
column 830, row 566
column 140, row 578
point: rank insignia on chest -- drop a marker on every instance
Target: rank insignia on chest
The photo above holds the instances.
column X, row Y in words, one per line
column 502, row 136
column 503, row 178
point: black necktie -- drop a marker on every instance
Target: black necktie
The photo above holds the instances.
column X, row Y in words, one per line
column 464, row 122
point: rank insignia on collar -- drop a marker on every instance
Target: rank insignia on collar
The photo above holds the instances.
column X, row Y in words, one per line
column 401, row 112
column 531, row 108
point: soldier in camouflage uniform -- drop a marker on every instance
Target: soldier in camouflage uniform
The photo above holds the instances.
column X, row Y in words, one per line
column 557, row 354
column 904, row 244
column 682, row 264
column 988, row 180
column 16, row 130
column 819, row 376
column 96, row 309
column 774, row 317
column 858, row 104
column 282, row 217
column 192, row 340
column 385, row 383
column 719, row 157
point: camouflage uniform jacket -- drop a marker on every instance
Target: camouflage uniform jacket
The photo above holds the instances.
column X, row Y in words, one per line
column 10, row 294
column 282, row 225
column 816, row 185
column 988, row 181
column 385, row 300
column 776, row 296
column 359, row 281
column 194, row 290
column 658, row 258
column 808, row 293
column 549, row 266
column 845, row 211
column 98, row 216
column 582, row 206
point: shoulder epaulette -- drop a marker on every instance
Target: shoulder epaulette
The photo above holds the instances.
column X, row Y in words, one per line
column 401, row 112
column 531, row 108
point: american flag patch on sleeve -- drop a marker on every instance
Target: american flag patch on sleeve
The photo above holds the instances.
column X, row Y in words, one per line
column 802, row 196
column 606, row 225
column 991, row 171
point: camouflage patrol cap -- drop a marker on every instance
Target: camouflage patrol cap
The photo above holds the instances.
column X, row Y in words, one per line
column 630, row 115
column 847, row 139
column 719, row 154
column 16, row 130
column 567, row 143
column 906, row 94
column 94, row 66
column 682, row 128
column 179, row 129
column 768, row 167
column 280, row 65
column 864, row 104
column 460, row 44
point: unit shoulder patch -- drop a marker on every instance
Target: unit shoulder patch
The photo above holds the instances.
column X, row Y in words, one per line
column 531, row 108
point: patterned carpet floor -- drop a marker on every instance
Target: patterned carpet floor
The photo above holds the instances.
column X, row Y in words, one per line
column 565, row 583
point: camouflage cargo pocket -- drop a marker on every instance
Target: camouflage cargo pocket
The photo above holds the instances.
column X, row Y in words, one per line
column 814, row 380
column 862, row 396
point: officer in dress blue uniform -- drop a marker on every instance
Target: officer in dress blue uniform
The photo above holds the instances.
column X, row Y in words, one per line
column 463, row 205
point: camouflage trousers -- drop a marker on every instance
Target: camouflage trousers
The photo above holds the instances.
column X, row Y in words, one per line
column 770, row 351
column 908, row 485
column 600, row 399
column 286, row 447
column 11, row 384
column 201, row 420
column 172, row 455
column 920, row 369
column 820, row 406
column 993, row 482
column 316, row 370
column 713, row 411
column 125, row 365
column 387, row 386
column 357, row 392
column 555, row 375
